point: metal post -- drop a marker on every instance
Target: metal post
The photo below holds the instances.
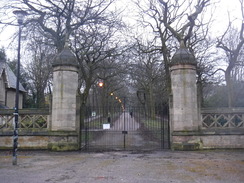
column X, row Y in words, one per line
column 168, row 126
column 125, row 131
column 16, row 109
column 162, row 130
column 20, row 17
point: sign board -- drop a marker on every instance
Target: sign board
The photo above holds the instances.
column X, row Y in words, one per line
column 106, row 126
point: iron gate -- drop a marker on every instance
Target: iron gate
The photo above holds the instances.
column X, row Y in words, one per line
column 132, row 129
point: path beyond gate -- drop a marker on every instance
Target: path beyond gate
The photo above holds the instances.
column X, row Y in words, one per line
column 132, row 129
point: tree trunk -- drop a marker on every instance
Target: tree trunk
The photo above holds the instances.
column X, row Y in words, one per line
column 40, row 98
column 229, row 87
column 151, row 102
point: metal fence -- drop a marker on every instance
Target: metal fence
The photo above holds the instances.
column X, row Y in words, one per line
column 129, row 129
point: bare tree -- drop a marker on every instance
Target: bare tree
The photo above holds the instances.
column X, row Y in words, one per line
column 173, row 23
column 56, row 20
column 146, row 74
column 40, row 70
column 184, row 31
column 231, row 42
column 96, row 48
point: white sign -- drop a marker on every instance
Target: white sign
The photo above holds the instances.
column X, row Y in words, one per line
column 106, row 126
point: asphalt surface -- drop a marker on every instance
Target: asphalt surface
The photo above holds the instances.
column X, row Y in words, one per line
column 126, row 123
column 124, row 167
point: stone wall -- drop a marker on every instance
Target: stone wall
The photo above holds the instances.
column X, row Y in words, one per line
column 35, row 132
column 208, row 140
column 220, row 128
column 41, row 137
column 41, row 140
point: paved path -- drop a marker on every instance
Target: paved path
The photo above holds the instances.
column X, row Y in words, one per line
column 124, row 167
column 125, row 123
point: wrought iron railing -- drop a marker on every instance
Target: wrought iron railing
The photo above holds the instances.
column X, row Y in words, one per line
column 223, row 118
column 28, row 119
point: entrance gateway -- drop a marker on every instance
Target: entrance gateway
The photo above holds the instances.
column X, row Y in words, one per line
column 140, row 131
column 125, row 129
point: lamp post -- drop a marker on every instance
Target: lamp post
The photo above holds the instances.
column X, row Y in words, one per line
column 20, row 18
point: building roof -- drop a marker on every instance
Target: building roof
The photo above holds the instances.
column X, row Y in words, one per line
column 10, row 76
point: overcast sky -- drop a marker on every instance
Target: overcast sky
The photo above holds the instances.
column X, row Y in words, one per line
column 220, row 16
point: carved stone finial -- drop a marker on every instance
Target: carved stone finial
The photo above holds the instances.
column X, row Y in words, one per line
column 65, row 58
column 183, row 56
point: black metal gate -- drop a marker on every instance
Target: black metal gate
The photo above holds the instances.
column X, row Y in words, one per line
column 125, row 129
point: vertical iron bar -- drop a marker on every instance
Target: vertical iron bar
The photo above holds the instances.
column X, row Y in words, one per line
column 162, row 131
column 16, row 109
column 124, row 123
column 86, row 139
column 168, row 119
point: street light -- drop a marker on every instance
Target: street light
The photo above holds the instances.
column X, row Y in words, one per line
column 100, row 84
column 20, row 14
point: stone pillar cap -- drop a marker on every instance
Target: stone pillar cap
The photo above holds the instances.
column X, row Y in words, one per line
column 65, row 58
column 183, row 57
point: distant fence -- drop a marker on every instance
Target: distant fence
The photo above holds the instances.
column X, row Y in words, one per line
column 28, row 119
column 222, row 118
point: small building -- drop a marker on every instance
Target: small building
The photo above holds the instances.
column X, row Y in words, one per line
column 8, row 87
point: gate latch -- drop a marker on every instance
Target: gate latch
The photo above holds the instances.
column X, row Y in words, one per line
column 124, row 132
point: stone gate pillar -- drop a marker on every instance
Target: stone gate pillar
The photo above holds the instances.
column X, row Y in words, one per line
column 64, row 134
column 184, row 108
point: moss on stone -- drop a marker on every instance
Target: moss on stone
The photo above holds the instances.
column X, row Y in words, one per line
column 187, row 146
column 63, row 146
